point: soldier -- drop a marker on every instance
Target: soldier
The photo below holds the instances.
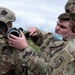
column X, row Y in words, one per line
column 52, row 59
column 9, row 62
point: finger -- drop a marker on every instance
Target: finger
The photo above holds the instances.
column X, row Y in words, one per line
column 30, row 29
column 10, row 39
column 22, row 34
column 13, row 36
column 34, row 34
column 31, row 33
column 11, row 44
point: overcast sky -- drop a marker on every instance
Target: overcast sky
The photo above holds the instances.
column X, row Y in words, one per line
column 39, row 13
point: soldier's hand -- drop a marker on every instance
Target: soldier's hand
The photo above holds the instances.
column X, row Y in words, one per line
column 33, row 31
column 17, row 42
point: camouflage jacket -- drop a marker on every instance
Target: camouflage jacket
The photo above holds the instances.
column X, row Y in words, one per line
column 9, row 62
column 52, row 59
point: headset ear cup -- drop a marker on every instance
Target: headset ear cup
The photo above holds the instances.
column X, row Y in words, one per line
column 13, row 31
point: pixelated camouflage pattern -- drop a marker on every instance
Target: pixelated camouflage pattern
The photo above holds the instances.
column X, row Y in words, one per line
column 42, row 63
column 3, row 19
column 49, row 48
column 70, row 8
column 7, row 13
column 9, row 62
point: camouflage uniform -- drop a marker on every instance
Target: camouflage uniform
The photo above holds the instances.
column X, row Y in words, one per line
column 9, row 62
column 53, row 57
column 49, row 60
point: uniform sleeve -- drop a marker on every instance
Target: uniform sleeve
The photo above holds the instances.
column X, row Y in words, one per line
column 39, row 39
column 34, row 63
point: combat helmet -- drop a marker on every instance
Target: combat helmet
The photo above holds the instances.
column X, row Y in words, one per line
column 7, row 13
column 70, row 8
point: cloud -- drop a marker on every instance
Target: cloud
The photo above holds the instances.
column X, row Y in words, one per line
column 39, row 13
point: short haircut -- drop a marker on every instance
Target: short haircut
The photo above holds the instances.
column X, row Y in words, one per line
column 64, row 16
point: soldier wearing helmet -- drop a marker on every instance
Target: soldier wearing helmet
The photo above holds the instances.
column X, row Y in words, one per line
column 9, row 62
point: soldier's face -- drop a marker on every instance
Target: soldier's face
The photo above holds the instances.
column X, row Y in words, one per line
column 9, row 24
column 63, row 27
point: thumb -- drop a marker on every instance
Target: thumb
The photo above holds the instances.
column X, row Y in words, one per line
column 22, row 34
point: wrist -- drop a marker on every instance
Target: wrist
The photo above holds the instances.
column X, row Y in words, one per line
column 24, row 48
